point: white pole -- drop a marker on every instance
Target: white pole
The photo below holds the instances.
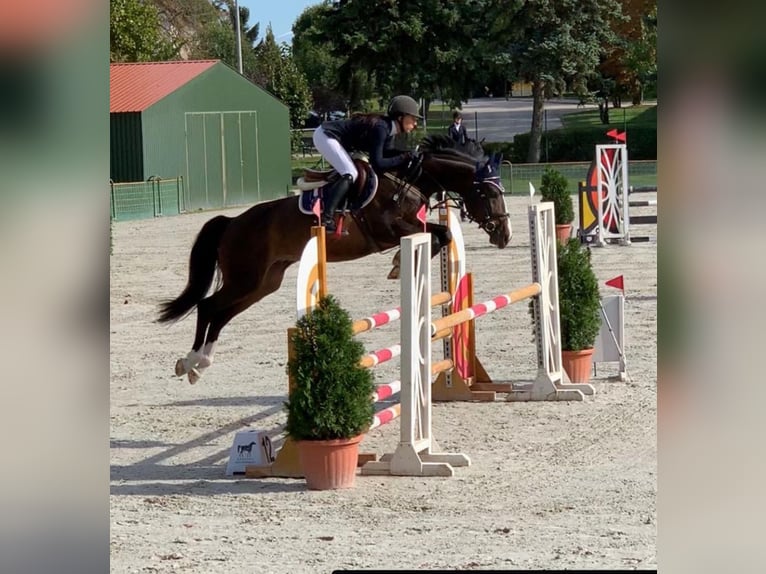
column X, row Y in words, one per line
column 239, row 38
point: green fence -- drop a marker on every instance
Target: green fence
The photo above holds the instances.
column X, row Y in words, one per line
column 143, row 199
column 516, row 177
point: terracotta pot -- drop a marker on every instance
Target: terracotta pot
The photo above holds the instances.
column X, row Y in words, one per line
column 563, row 232
column 329, row 464
column 578, row 365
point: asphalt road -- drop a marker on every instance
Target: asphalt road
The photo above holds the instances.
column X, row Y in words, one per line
column 498, row 119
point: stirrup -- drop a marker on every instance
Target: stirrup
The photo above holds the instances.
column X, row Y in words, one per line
column 332, row 228
column 329, row 226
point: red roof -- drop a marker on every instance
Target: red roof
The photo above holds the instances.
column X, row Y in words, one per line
column 135, row 87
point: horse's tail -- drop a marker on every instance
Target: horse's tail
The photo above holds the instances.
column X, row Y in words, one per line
column 202, row 265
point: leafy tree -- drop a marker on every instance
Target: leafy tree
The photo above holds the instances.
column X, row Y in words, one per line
column 579, row 301
column 554, row 44
column 249, row 33
column 424, row 48
column 630, row 66
column 312, row 53
column 641, row 54
column 268, row 63
column 135, row 34
column 217, row 41
column 216, row 37
column 632, row 62
column 554, row 188
column 330, row 398
column 183, row 23
column 276, row 71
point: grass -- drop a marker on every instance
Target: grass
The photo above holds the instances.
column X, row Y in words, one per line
column 631, row 116
column 299, row 162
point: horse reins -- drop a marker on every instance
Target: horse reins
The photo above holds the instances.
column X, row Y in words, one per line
column 488, row 224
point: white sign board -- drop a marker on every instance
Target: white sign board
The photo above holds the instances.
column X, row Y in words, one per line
column 250, row 447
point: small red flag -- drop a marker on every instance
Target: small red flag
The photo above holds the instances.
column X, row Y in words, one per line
column 619, row 136
column 317, row 209
column 422, row 215
column 617, row 283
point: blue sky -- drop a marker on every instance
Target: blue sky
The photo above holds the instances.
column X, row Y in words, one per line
column 280, row 13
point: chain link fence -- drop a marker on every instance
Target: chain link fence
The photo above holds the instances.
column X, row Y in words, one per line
column 154, row 197
column 516, row 177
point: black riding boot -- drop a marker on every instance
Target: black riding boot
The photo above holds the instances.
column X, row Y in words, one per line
column 334, row 197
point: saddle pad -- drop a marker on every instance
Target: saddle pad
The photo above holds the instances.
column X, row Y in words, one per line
column 308, row 197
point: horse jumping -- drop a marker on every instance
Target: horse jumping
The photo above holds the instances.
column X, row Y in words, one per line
column 253, row 250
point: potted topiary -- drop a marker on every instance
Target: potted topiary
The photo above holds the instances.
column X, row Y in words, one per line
column 330, row 403
column 553, row 187
column 579, row 309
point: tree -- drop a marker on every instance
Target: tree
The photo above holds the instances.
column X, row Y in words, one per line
column 632, row 63
column 135, row 34
column 249, row 33
column 276, row 72
column 183, row 23
column 217, row 41
column 424, row 48
column 641, row 55
column 555, row 44
column 218, row 38
column 312, row 54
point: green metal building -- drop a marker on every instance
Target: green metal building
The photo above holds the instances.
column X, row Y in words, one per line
column 224, row 138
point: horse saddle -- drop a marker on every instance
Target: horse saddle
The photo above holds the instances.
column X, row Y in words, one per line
column 314, row 181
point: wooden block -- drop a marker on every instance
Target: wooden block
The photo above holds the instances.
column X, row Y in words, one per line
column 365, row 457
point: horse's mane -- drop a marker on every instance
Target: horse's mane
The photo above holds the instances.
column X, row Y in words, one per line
column 469, row 152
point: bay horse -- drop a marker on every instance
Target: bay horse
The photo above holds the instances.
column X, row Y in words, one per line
column 253, row 250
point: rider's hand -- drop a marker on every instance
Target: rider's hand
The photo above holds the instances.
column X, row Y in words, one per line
column 412, row 165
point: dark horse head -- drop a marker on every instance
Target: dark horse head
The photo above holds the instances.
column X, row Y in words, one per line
column 254, row 249
column 466, row 175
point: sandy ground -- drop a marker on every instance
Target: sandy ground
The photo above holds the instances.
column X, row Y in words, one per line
column 551, row 485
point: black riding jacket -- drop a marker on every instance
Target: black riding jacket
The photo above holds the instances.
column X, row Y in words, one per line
column 376, row 140
column 458, row 133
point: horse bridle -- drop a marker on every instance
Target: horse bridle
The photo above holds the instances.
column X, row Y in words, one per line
column 490, row 221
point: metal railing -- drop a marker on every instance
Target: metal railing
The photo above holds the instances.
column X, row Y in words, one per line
column 154, row 197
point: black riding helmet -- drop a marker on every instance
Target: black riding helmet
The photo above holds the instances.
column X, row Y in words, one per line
column 403, row 105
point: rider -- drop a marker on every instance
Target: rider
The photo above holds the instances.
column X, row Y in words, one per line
column 369, row 133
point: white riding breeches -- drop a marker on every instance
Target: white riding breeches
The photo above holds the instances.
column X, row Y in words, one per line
column 334, row 153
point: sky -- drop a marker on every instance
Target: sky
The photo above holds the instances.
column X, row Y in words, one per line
column 280, row 13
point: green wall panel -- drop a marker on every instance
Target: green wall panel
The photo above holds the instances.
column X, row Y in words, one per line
column 126, row 160
column 238, row 154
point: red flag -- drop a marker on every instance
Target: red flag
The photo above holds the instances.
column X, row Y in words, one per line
column 617, row 283
column 421, row 215
column 317, row 209
column 619, row 136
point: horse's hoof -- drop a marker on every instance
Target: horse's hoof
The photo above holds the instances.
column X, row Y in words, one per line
column 180, row 368
column 394, row 273
column 194, row 376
